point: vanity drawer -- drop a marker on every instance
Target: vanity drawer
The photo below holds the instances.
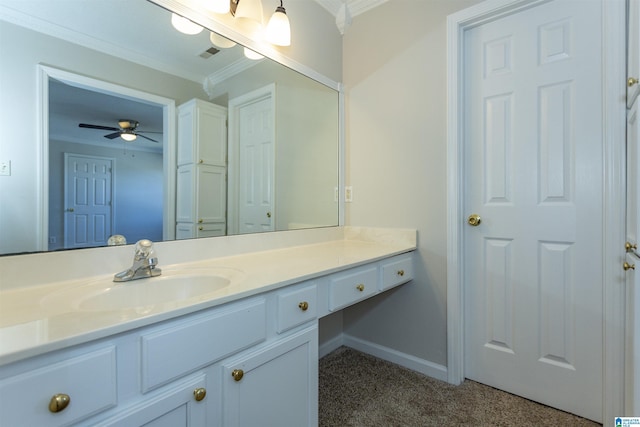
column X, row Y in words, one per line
column 395, row 271
column 88, row 380
column 355, row 285
column 173, row 351
column 297, row 306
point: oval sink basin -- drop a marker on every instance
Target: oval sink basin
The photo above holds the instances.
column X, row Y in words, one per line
column 172, row 288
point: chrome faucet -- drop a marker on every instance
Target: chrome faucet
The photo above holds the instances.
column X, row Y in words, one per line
column 144, row 263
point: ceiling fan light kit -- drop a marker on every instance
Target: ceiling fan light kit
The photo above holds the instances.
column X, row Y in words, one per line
column 127, row 130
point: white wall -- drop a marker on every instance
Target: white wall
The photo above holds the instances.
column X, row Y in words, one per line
column 395, row 83
column 21, row 50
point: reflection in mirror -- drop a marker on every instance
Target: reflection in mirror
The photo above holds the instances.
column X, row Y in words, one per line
column 276, row 168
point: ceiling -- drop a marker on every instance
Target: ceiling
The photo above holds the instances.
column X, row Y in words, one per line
column 132, row 29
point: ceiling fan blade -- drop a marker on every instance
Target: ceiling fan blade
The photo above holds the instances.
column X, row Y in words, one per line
column 147, row 131
column 145, row 137
column 88, row 126
column 113, row 135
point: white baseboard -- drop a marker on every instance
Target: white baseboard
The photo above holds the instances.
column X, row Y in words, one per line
column 425, row 367
column 330, row 345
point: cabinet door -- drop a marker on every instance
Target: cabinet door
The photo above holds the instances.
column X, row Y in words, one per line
column 212, row 194
column 185, row 198
column 175, row 407
column 276, row 386
column 211, row 134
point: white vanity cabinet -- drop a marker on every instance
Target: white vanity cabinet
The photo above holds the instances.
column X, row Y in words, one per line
column 248, row 362
column 276, row 385
column 181, row 405
column 60, row 390
column 201, row 182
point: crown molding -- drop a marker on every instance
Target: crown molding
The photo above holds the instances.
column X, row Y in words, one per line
column 224, row 73
column 345, row 10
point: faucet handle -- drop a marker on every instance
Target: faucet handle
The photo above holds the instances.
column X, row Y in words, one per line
column 144, row 248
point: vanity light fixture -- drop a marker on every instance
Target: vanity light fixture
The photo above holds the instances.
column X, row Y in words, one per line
column 184, row 25
column 249, row 9
column 219, row 6
column 222, row 42
column 250, row 54
column 128, row 135
column 278, row 30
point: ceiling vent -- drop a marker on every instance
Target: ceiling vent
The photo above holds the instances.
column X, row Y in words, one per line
column 209, row 53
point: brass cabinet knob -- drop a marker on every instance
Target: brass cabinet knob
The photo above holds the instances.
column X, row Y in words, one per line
column 59, row 402
column 474, row 220
column 199, row 394
column 201, row 161
column 628, row 266
column 360, row 287
column 400, row 273
column 201, row 228
column 629, row 247
column 303, row 305
column 200, row 221
column 237, row 374
column 632, row 81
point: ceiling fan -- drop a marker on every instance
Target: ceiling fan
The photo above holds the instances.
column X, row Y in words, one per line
column 126, row 131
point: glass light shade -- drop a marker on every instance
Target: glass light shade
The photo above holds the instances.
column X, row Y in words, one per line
column 222, row 42
column 251, row 54
column 184, row 25
column 127, row 136
column 218, row 6
column 250, row 9
column 278, row 30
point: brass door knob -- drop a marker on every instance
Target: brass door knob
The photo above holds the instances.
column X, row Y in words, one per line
column 360, row 287
column 303, row 305
column 70, row 210
column 199, row 394
column 59, row 402
column 474, row 220
column 629, row 247
column 632, row 81
column 268, row 214
column 628, row 266
column 237, row 374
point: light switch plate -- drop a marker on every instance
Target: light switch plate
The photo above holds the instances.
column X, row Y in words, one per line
column 348, row 194
column 5, row 167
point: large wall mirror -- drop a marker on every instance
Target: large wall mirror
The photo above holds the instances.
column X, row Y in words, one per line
column 79, row 78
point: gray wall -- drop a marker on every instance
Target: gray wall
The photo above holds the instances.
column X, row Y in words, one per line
column 396, row 162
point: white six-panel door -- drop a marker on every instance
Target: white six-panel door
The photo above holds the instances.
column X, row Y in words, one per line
column 257, row 162
column 88, row 200
column 533, row 173
column 632, row 353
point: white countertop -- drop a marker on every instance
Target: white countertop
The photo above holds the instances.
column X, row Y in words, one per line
column 31, row 325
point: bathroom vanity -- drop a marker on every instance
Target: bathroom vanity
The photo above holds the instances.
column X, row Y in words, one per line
column 244, row 354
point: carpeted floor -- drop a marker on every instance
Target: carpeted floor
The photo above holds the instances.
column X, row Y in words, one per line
column 360, row 390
